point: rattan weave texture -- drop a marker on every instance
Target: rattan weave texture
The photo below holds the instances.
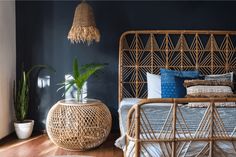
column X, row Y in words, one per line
column 77, row 126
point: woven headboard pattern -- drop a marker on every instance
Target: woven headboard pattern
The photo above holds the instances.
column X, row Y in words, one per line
column 210, row 52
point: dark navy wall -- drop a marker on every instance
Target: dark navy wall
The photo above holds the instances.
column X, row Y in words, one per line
column 42, row 28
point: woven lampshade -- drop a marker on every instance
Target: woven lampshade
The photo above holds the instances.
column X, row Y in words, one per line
column 84, row 27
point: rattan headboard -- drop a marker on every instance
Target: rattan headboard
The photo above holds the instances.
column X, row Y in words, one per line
column 210, row 52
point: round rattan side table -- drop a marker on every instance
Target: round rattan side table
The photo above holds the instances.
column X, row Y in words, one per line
column 78, row 126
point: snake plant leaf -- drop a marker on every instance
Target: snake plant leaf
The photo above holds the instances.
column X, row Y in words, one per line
column 21, row 92
column 22, row 98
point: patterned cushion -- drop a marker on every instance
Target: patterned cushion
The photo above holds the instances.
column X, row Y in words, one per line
column 211, row 95
column 210, row 91
column 189, row 83
column 201, row 90
column 206, row 104
column 222, row 77
column 170, row 85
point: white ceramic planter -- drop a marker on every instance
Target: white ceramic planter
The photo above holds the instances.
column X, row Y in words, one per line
column 24, row 130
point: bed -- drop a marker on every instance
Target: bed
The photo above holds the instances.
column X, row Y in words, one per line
column 164, row 127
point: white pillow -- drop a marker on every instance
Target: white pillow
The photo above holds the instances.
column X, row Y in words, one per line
column 154, row 85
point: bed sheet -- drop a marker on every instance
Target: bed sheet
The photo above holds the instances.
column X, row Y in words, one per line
column 157, row 113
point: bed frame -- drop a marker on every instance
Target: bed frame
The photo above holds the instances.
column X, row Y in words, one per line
column 210, row 52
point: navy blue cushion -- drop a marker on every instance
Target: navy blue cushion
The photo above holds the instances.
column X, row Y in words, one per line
column 180, row 90
column 172, row 87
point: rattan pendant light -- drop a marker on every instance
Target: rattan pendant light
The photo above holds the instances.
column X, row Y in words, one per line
column 84, row 27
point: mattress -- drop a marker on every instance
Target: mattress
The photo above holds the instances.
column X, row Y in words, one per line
column 157, row 114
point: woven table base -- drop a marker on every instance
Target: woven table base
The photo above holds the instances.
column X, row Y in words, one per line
column 78, row 126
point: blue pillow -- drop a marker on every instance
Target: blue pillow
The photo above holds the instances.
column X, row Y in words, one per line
column 172, row 87
column 180, row 90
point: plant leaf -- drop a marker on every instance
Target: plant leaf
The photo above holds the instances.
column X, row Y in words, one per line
column 63, row 84
column 68, row 87
column 89, row 69
column 76, row 72
column 81, row 75
column 91, row 66
column 21, row 92
column 40, row 66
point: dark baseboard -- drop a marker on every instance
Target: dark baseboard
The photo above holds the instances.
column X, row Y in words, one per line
column 12, row 136
column 8, row 138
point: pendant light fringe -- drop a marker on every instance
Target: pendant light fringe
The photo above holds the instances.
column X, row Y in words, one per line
column 84, row 27
column 84, row 34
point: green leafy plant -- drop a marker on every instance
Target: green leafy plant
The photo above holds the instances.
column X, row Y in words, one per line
column 80, row 76
column 21, row 93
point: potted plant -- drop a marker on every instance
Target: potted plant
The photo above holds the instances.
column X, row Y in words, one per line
column 23, row 126
column 80, row 76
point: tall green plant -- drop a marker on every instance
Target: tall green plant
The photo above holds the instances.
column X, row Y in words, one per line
column 80, row 76
column 21, row 93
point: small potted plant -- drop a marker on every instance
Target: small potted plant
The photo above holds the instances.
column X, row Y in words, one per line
column 80, row 76
column 23, row 126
